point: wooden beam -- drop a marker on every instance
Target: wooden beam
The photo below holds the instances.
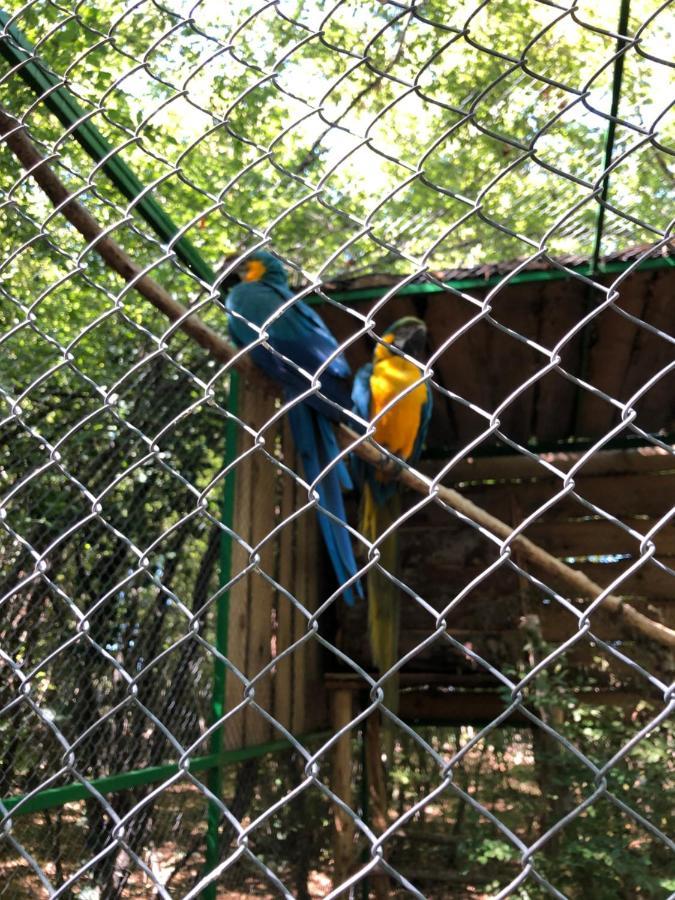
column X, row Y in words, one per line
column 596, row 537
column 426, row 699
column 238, row 609
column 602, row 462
column 301, row 591
column 571, row 537
column 648, row 581
column 336, row 681
column 342, row 785
column 283, row 678
column 482, row 707
column 263, row 476
column 557, row 626
column 623, row 496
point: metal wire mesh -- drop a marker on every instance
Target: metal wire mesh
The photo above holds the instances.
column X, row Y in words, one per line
column 354, row 139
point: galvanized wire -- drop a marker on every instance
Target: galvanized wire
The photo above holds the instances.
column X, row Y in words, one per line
column 149, row 495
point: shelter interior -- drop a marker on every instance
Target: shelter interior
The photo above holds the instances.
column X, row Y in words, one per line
column 622, row 485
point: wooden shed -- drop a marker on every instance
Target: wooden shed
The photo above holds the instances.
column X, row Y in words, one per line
column 301, row 657
column 621, row 490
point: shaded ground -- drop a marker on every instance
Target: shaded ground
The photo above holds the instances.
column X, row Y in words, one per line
column 447, row 849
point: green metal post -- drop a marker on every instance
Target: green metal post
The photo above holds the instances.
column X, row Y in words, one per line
column 222, row 619
column 617, row 82
column 356, row 295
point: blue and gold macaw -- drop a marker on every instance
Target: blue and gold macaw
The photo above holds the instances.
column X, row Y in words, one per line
column 299, row 338
column 400, row 429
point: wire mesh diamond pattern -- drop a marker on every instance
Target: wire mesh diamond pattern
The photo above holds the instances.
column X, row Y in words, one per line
column 175, row 645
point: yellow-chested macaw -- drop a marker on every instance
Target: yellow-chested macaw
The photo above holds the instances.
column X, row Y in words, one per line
column 298, row 342
column 400, row 427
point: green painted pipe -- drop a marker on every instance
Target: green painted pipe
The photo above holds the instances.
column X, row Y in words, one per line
column 465, row 284
column 617, row 82
column 111, row 784
column 18, row 51
column 221, row 639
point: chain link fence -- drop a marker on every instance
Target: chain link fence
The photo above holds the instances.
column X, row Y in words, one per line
column 189, row 708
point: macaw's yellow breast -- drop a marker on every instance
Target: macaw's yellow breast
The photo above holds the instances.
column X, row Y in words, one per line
column 398, row 427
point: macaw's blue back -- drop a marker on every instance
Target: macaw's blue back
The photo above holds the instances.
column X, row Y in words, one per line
column 297, row 345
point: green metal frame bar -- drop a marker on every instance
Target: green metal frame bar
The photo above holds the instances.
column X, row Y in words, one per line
column 595, row 267
column 221, row 641
column 111, row 784
column 617, row 83
column 19, row 52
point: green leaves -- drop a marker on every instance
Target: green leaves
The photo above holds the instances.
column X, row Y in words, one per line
column 490, row 849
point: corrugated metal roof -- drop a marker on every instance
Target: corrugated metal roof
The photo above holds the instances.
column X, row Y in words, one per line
column 490, row 270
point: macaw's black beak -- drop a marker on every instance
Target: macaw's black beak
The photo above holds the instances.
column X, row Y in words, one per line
column 411, row 339
column 233, row 277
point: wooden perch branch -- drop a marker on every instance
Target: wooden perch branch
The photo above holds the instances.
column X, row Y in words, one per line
column 545, row 563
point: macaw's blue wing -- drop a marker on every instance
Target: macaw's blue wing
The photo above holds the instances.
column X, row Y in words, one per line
column 301, row 341
column 309, row 322
column 334, row 387
column 316, row 442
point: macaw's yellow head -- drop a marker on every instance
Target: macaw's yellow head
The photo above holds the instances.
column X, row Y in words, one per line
column 409, row 335
column 260, row 266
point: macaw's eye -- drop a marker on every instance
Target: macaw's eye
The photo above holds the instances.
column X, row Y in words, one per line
column 254, row 270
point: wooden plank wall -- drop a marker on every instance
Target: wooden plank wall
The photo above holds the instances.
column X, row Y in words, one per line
column 440, row 556
column 263, row 621
column 485, row 365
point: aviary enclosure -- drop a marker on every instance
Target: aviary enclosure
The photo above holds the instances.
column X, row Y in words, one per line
column 190, row 707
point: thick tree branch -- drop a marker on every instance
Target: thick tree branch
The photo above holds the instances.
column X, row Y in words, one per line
column 16, row 138
column 545, row 563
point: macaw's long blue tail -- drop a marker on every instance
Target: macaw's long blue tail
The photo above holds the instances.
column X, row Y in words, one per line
column 318, row 447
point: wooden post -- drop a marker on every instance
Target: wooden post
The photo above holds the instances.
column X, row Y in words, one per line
column 342, row 785
column 377, row 796
column 252, row 597
column 283, row 678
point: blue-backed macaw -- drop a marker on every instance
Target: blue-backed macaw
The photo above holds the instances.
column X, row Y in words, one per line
column 301, row 336
column 401, row 430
